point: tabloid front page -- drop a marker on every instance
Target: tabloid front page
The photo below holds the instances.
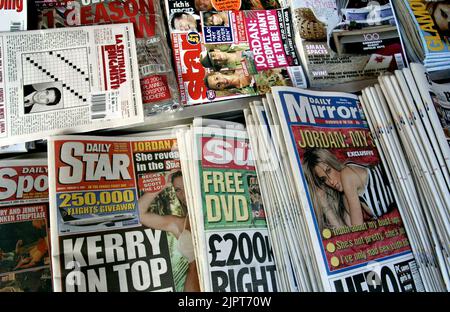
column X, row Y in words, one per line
column 119, row 215
column 24, row 227
column 358, row 233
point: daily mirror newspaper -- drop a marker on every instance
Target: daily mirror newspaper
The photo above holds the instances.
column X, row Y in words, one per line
column 24, row 227
column 119, row 216
column 357, row 231
column 64, row 80
column 233, row 244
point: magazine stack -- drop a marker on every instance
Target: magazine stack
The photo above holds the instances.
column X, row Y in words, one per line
column 425, row 30
column 343, row 200
column 407, row 116
column 227, row 214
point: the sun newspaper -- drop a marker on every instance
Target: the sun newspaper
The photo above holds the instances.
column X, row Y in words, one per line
column 65, row 80
column 119, row 215
column 233, row 245
column 24, row 226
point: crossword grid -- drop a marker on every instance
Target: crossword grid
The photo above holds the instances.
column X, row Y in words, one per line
column 69, row 67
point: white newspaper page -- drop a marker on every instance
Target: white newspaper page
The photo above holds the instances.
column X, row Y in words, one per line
column 67, row 80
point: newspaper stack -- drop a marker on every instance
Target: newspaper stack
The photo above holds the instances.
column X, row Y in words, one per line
column 228, row 218
column 119, row 215
column 13, row 15
column 66, row 80
column 157, row 80
column 336, row 223
column 24, row 226
column 425, row 31
column 345, row 45
column 406, row 115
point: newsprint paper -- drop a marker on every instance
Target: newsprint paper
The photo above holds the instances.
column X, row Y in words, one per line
column 118, row 215
column 24, row 248
column 65, row 80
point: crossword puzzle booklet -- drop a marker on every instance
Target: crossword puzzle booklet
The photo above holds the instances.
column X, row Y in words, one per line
column 67, row 80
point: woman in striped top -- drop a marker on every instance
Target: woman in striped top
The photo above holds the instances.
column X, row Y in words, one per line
column 345, row 194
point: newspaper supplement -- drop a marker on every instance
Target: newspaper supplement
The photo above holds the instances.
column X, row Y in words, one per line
column 233, row 54
column 158, row 84
column 232, row 222
column 24, row 227
column 349, row 43
column 13, row 15
column 66, row 80
column 119, row 216
column 357, row 232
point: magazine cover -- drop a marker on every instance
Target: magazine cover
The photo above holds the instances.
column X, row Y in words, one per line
column 230, row 54
column 426, row 31
column 346, row 42
column 234, row 242
column 119, row 216
column 24, row 227
column 13, row 15
column 358, row 233
column 158, row 84
column 65, row 80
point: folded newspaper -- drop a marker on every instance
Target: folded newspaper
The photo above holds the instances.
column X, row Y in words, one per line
column 231, row 239
column 66, row 80
column 355, row 234
column 119, row 216
column 408, row 123
column 24, row 226
column 158, row 84
column 425, row 31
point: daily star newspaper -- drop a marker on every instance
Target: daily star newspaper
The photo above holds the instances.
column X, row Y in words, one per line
column 119, row 216
column 231, row 54
column 234, row 249
column 24, row 226
column 358, row 234
column 65, row 80
column 158, row 84
column 13, row 15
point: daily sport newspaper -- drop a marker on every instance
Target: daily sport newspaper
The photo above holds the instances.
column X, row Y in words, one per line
column 119, row 215
column 13, row 15
column 231, row 54
column 24, row 226
column 346, row 44
column 65, row 80
column 233, row 245
column 358, row 234
column 158, row 84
